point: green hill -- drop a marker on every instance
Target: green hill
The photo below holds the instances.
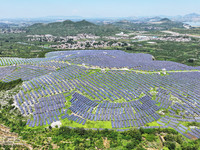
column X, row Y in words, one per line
column 165, row 20
column 71, row 28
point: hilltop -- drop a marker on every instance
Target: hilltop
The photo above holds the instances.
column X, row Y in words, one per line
column 165, row 20
column 69, row 27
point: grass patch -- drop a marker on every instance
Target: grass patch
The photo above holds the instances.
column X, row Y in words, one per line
column 153, row 124
column 150, row 137
column 89, row 124
column 36, row 127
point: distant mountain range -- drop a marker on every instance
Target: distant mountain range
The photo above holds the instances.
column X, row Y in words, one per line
column 193, row 17
column 69, row 27
column 96, row 25
column 150, row 24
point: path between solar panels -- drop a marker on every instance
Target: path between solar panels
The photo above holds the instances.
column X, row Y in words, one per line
column 133, row 70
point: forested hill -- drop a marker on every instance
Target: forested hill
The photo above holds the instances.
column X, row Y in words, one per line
column 71, row 28
column 163, row 24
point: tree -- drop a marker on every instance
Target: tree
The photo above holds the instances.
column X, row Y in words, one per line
column 77, row 142
column 179, row 139
column 169, row 137
column 131, row 145
column 141, row 130
column 140, row 148
column 91, row 141
column 80, row 131
column 170, row 145
column 64, row 131
column 105, row 132
column 135, row 134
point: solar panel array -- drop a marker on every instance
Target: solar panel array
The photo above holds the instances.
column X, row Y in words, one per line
column 7, row 61
column 6, row 71
column 118, row 59
column 26, row 72
column 116, row 95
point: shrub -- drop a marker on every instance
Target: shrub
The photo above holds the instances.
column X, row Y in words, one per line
column 170, row 145
column 151, row 137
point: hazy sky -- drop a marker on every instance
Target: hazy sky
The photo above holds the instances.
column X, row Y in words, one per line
column 96, row 8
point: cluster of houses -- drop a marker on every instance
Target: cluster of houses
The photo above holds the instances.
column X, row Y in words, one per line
column 84, row 41
column 89, row 44
column 51, row 38
column 80, row 41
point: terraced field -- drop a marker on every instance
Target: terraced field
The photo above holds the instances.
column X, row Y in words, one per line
column 106, row 89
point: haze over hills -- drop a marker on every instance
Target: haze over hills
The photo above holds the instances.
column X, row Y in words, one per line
column 192, row 17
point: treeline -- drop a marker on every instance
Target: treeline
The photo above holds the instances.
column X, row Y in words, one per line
column 81, row 139
column 133, row 137
column 9, row 85
column 170, row 51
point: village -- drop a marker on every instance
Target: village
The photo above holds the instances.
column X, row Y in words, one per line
column 84, row 41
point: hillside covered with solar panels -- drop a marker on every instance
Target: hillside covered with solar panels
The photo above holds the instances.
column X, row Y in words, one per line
column 111, row 89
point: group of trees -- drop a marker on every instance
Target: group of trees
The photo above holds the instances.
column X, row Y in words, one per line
column 79, row 138
column 171, row 140
column 9, row 85
column 170, row 51
column 17, row 45
column 195, row 31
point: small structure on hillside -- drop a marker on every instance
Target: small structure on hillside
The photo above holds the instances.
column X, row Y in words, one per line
column 103, row 70
column 164, row 71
